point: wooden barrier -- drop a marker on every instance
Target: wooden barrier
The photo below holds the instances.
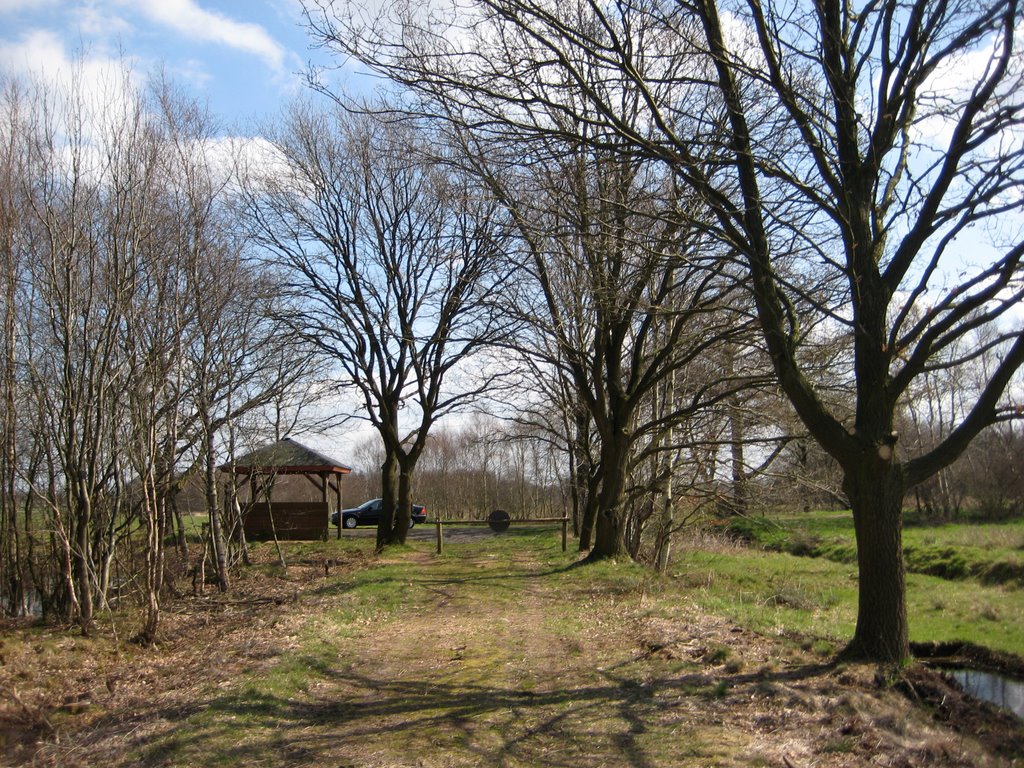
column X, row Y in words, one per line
column 563, row 520
column 291, row 521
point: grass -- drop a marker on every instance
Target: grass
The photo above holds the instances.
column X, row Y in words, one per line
column 376, row 652
column 503, row 651
column 772, row 593
column 814, row 600
column 989, row 552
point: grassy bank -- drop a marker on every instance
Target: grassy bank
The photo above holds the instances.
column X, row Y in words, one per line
column 813, row 601
column 992, row 554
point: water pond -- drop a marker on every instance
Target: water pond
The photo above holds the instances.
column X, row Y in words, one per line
column 996, row 689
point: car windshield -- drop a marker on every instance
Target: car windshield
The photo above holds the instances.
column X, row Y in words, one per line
column 368, row 504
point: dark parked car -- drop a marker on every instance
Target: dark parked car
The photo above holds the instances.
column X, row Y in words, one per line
column 368, row 513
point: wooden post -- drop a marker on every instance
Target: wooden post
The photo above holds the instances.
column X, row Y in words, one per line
column 565, row 533
column 326, row 479
column 337, row 489
column 440, row 536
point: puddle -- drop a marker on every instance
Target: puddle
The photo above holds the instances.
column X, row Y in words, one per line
column 26, row 605
column 995, row 689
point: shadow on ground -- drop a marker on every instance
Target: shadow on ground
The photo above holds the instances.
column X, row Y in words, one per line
column 620, row 721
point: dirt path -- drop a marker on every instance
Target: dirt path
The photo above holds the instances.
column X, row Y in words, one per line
column 602, row 679
column 496, row 660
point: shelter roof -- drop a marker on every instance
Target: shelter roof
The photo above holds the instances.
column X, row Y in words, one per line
column 285, row 457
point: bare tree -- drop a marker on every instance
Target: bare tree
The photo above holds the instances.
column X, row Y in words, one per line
column 866, row 146
column 895, row 205
column 391, row 260
column 151, row 329
column 120, row 262
column 628, row 289
column 233, row 358
column 92, row 204
column 15, row 235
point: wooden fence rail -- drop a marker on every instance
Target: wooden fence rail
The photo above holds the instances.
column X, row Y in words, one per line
column 563, row 520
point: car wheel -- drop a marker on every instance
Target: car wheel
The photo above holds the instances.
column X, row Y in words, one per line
column 351, row 522
column 412, row 524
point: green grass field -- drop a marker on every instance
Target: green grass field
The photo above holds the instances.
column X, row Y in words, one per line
column 990, row 553
column 798, row 577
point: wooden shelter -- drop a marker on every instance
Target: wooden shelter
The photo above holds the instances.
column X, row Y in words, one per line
column 265, row 518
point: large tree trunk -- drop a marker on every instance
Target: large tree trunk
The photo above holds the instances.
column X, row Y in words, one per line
column 875, row 489
column 581, row 477
column 389, row 499
column 403, row 509
column 609, row 541
column 589, row 516
column 83, row 582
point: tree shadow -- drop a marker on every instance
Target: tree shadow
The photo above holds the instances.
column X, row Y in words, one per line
column 619, row 721
column 499, row 577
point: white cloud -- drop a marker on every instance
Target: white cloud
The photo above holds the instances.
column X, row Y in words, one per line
column 9, row 6
column 40, row 52
column 40, row 55
column 94, row 21
column 189, row 19
column 99, row 91
column 193, row 72
column 259, row 163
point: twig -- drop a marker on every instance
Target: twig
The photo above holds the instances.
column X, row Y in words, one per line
column 34, row 714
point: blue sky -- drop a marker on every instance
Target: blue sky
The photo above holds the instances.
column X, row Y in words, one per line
column 243, row 57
